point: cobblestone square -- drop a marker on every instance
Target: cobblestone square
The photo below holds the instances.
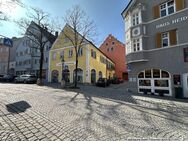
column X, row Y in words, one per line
column 31, row 112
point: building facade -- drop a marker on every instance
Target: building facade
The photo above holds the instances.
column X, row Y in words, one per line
column 4, row 55
column 115, row 50
column 28, row 54
column 157, row 45
column 92, row 63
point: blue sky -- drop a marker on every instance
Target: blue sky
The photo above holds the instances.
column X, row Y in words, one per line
column 105, row 13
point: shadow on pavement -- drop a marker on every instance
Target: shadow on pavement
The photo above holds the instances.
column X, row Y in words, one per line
column 18, row 107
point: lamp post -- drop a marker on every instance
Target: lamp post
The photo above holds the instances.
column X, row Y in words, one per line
column 63, row 77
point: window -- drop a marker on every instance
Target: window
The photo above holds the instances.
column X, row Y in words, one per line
column 61, row 54
column 54, row 56
column 135, row 19
column 136, row 45
column 165, row 39
column 113, row 43
column 167, row 8
column 93, row 54
column 70, row 53
column 80, row 52
column 108, row 49
column 112, row 48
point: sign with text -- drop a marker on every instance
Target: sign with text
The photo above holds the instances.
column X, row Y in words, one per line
column 174, row 21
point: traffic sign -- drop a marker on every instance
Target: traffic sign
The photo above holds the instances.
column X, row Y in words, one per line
column 8, row 42
column 129, row 67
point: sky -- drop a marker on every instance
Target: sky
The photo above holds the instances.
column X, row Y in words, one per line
column 106, row 14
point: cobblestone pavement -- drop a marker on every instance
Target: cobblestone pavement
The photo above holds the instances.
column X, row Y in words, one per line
column 30, row 112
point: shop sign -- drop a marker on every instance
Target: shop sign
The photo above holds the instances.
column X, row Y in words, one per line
column 172, row 22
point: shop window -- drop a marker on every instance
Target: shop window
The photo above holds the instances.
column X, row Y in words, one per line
column 148, row 74
column 161, row 83
column 141, row 75
column 156, row 73
column 144, row 82
column 165, row 74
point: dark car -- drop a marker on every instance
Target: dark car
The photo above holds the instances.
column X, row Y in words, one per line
column 103, row 82
column 8, row 78
column 1, row 78
column 26, row 78
column 115, row 80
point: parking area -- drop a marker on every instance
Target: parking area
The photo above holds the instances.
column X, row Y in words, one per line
column 31, row 112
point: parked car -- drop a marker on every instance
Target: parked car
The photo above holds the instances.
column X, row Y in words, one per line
column 120, row 80
column 26, row 78
column 1, row 78
column 103, row 82
column 115, row 80
column 8, row 78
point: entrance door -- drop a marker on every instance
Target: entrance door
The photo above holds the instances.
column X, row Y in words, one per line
column 185, row 85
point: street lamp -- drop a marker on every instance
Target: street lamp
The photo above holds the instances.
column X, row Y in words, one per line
column 63, row 75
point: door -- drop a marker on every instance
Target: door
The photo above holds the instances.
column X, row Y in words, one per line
column 185, row 85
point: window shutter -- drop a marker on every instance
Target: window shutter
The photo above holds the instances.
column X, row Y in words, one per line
column 156, row 13
column 158, row 40
column 173, row 37
column 180, row 4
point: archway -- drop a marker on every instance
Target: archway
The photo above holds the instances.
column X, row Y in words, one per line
column 55, row 75
column 79, row 75
column 93, row 76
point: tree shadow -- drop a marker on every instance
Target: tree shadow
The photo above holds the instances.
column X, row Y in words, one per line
column 18, row 107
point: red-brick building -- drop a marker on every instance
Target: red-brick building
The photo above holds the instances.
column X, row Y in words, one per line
column 115, row 50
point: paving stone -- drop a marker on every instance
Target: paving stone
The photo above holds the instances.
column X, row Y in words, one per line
column 90, row 113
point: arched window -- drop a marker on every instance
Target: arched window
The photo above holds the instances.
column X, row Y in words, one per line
column 79, row 75
column 55, row 75
column 93, row 76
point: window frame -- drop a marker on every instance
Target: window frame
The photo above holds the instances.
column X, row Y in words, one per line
column 167, row 8
column 162, row 38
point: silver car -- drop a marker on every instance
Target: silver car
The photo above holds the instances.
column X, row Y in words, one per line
column 26, row 78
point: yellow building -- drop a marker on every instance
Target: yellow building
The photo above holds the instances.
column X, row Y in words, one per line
column 92, row 63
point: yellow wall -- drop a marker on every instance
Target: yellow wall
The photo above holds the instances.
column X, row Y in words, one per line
column 85, row 62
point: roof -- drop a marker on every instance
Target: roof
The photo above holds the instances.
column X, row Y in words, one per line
column 126, row 8
column 91, row 43
column 47, row 34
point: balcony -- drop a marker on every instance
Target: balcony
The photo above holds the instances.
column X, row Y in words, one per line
column 135, row 57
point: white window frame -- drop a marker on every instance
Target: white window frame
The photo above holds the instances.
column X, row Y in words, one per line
column 168, row 37
column 135, row 19
column 136, row 45
column 167, row 7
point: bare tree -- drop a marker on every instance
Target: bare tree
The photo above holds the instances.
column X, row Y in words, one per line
column 83, row 29
column 38, row 29
column 8, row 5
